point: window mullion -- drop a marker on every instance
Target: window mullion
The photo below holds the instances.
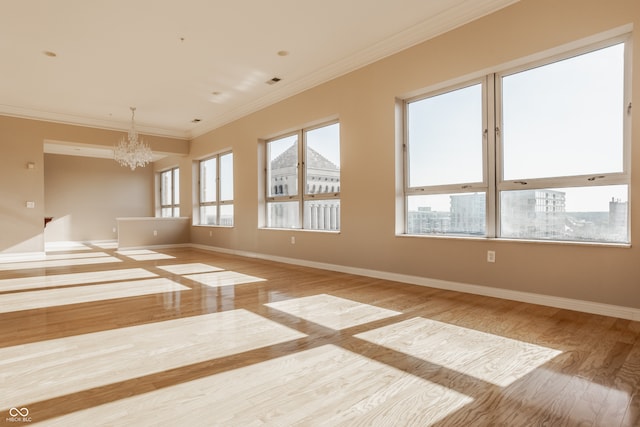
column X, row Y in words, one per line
column 176, row 201
column 172, row 189
column 218, row 192
column 566, row 181
column 448, row 188
column 627, row 115
column 491, row 163
column 302, row 174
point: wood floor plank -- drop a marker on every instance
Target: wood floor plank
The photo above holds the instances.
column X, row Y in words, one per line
column 233, row 341
column 86, row 361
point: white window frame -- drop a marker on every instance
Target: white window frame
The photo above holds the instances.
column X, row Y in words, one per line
column 218, row 203
column 458, row 188
column 302, row 195
column 175, row 202
column 494, row 162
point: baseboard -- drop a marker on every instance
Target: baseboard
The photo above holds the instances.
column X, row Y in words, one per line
column 622, row 312
column 610, row 310
column 152, row 247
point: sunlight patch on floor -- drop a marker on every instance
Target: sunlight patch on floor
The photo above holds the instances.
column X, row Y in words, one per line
column 53, row 280
column 144, row 255
column 190, row 268
column 55, row 257
column 65, row 246
column 75, row 255
column 66, row 260
column 29, row 300
column 332, row 312
column 326, row 385
column 223, row 278
column 106, row 244
column 83, row 362
column 488, row 357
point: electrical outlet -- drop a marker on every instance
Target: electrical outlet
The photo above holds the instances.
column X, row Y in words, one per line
column 293, row 240
column 155, row 232
column 491, row 256
column 210, row 233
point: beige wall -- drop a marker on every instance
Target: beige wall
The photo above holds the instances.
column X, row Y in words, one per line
column 20, row 228
column 144, row 232
column 364, row 101
column 22, row 141
column 85, row 196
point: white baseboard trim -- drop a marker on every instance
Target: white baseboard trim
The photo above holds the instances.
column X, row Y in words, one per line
column 622, row 312
column 152, row 247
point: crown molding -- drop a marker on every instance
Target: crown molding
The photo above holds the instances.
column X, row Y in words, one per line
column 74, row 120
column 457, row 15
column 454, row 17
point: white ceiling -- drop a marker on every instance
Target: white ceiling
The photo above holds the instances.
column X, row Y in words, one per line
column 177, row 61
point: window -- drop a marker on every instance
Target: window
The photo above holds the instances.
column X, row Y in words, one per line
column 170, row 193
column 216, row 190
column 296, row 164
column 555, row 168
column 446, row 179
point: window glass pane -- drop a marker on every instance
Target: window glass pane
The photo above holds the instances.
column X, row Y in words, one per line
column 579, row 214
column 165, row 188
column 282, row 166
column 461, row 213
column 565, row 118
column 208, row 180
column 166, row 212
column 445, row 142
column 226, row 177
column 226, row 215
column 322, row 214
column 208, row 215
column 323, row 160
column 283, row 215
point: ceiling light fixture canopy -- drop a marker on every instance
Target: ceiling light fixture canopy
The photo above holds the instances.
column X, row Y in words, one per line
column 132, row 151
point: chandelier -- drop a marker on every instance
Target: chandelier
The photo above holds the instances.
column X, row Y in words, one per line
column 132, row 151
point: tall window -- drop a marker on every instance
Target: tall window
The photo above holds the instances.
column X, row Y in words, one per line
column 170, row 193
column 216, row 190
column 303, row 179
column 446, row 179
column 539, row 152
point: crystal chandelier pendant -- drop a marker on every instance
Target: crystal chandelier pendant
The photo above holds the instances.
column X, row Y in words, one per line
column 132, row 151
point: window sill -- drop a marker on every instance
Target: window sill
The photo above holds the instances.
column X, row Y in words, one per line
column 306, row 230
column 523, row 241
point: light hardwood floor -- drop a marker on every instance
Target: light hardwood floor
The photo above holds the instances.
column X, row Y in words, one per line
column 92, row 336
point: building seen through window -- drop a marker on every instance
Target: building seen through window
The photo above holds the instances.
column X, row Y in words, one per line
column 318, row 175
